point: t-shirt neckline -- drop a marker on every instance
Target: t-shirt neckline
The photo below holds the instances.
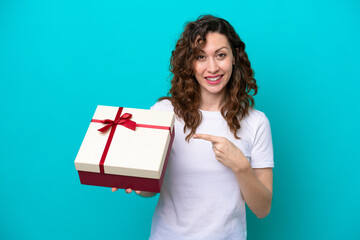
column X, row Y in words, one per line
column 211, row 114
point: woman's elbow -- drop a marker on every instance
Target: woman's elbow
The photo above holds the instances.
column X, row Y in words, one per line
column 265, row 211
column 263, row 214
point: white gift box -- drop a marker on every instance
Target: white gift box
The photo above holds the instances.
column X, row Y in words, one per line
column 131, row 153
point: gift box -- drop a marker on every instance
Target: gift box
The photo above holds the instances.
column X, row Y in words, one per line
column 126, row 148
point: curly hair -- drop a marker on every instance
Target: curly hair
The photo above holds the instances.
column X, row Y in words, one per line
column 185, row 90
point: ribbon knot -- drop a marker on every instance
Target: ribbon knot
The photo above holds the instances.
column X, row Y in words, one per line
column 124, row 120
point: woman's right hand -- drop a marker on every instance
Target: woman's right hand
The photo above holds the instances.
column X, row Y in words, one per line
column 141, row 193
column 128, row 190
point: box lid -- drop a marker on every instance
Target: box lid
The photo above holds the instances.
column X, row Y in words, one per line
column 139, row 153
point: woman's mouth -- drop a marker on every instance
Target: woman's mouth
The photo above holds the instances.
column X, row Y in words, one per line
column 214, row 79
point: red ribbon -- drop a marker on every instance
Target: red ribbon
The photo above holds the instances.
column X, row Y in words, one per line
column 125, row 121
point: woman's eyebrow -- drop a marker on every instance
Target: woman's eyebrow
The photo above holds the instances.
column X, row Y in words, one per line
column 221, row 48
column 202, row 51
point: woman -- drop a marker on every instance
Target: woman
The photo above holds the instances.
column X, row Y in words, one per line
column 222, row 154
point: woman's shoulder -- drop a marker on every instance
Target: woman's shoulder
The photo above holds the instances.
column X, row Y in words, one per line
column 255, row 118
column 255, row 114
column 163, row 105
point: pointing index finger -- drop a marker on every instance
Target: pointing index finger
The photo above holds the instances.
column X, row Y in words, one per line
column 207, row 137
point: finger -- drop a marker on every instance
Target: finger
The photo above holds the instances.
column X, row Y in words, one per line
column 219, row 147
column 207, row 137
column 114, row 189
column 216, row 151
column 128, row 190
column 218, row 154
column 137, row 192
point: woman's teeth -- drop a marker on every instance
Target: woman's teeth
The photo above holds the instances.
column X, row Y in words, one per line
column 213, row 79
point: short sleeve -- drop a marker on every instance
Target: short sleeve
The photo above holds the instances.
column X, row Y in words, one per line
column 163, row 105
column 262, row 155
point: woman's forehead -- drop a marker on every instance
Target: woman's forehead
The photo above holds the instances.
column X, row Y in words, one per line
column 212, row 42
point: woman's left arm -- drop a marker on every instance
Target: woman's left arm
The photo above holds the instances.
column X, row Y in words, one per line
column 256, row 187
column 255, row 184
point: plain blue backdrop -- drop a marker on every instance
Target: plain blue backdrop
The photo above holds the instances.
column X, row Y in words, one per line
column 59, row 59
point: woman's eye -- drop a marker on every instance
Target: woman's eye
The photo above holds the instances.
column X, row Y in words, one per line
column 221, row 55
column 200, row 57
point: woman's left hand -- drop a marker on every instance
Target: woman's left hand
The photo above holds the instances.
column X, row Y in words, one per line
column 226, row 152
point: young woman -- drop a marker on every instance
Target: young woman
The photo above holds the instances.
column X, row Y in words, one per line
column 222, row 155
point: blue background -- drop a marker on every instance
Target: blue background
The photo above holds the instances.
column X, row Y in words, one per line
column 59, row 59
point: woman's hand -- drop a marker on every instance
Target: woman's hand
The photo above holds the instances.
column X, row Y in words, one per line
column 256, row 186
column 141, row 193
column 226, row 152
column 128, row 190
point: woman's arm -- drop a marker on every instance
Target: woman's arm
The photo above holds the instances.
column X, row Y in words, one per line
column 256, row 188
column 255, row 185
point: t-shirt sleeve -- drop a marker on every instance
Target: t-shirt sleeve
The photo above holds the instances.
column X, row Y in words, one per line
column 262, row 155
column 164, row 105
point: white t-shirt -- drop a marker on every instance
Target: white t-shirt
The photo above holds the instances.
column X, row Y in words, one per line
column 200, row 198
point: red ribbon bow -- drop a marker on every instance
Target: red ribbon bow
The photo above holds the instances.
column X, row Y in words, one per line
column 123, row 120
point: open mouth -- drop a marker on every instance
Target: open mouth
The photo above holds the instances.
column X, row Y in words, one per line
column 214, row 79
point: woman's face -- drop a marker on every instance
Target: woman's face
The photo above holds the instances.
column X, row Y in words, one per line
column 213, row 65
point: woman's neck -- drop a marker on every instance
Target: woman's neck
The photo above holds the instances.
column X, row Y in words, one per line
column 212, row 102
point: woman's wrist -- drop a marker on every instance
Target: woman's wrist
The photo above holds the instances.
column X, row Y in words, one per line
column 243, row 165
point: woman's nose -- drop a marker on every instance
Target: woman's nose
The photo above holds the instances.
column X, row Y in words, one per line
column 212, row 66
